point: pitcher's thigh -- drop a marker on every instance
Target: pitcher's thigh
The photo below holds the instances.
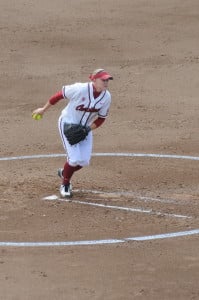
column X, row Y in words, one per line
column 86, row 149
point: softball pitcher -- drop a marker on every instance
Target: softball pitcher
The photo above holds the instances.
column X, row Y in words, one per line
column 87, row 109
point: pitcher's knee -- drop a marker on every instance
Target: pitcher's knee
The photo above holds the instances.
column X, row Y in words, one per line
column 81, row 163
column 84, row 163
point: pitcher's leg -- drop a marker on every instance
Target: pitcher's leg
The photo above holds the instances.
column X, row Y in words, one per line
column 68, row 172
column 72, row 164
column 86, row 150
column 72, row 152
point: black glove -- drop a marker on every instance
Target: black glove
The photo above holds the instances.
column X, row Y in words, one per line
column 75, row 133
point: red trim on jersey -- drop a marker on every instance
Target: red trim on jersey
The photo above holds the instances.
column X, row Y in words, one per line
column 55, row 98
column 99, row 121
column 95, row 93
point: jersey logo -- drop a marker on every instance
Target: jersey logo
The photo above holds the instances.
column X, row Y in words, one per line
column 87, row 109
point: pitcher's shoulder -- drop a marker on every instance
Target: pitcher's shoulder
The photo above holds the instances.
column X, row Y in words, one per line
column 108, row 94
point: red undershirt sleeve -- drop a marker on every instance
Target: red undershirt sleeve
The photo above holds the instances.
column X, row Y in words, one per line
column 55, row 98
column 99, row 121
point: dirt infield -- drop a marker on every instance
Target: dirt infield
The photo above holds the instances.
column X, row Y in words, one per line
column 151, row 48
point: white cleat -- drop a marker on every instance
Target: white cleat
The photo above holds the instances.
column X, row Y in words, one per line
column 66, row 190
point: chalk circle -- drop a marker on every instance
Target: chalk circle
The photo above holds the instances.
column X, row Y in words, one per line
column 169, row 156
column 108, row 241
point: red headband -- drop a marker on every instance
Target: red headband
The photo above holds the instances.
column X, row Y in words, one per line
column 102, row 75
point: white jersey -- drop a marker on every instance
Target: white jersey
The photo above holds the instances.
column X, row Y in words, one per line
column 82, row 106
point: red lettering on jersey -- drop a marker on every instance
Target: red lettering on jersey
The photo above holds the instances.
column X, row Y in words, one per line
column 87, row 109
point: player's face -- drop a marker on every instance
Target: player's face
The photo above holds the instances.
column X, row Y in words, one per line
column 101, row 84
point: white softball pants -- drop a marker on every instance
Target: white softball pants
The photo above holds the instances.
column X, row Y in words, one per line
column 79, row 154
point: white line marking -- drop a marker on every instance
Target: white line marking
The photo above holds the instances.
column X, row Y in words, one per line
column 109, row 241
column 52, row 197
column 122, row 193
column 130, row 209
column 164, row 235
column 148, row 155
column 100, row 242
column 105, row 154
column 47, row 244
column 152, row 199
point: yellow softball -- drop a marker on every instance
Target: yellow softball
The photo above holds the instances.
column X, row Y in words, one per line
column 36, row 116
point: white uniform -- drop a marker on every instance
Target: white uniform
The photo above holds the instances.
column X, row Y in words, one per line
column 82, row 108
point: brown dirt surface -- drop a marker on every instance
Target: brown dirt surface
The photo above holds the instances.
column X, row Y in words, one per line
column 151, row 49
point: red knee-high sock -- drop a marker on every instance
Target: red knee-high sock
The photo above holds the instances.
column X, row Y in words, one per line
column 68, row 172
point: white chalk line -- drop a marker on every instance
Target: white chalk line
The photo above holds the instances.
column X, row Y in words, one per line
column 128, row 194
column 101, row 242
column 109, row 241
column 129, row 209
column 137, row 196
column 153, row 155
